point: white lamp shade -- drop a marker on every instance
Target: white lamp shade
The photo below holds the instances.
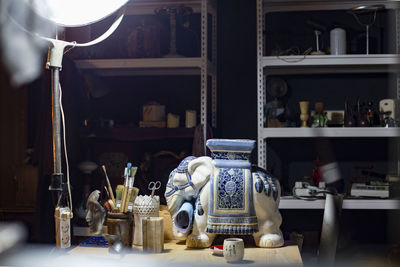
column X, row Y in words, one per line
column 74, row 13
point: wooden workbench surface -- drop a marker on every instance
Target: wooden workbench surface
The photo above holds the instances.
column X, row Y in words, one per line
column 176, row 254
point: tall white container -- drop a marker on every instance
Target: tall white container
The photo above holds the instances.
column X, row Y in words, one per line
column 144, row 206
column 338, row 41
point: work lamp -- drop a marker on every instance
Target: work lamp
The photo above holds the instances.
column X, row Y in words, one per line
column 68, row 13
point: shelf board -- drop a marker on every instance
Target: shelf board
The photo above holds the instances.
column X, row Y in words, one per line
column 328, row 63
column 360, row 204
column 144, row 66
column 314, row 5
column 130, row 133
column 332, row 132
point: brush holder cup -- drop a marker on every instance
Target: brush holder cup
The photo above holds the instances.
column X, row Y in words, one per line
column 144, row 206
column 121, row 224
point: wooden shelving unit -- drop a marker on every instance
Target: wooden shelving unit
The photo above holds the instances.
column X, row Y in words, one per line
column 315, row 65
column 203, row 66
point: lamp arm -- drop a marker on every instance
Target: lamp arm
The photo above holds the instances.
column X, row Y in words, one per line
column 105, row 35
column 56, row 50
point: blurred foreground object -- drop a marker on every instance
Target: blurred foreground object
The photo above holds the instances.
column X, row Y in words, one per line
column 22, row 53
column 11, row 235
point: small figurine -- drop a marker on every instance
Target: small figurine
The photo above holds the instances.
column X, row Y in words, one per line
column 95, row 213
column 319, row 118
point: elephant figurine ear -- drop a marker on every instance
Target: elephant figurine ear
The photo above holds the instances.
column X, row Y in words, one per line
column 200, row 170
column 198, row 162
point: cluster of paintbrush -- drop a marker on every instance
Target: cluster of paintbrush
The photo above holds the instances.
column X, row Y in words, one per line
column 125, row 194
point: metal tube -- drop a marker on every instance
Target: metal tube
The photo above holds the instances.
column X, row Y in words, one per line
column 56, row 119
column 367, row 38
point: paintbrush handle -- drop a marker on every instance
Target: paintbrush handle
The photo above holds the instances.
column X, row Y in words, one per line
column 128, row 197
column 123, row 200
column 108, row 184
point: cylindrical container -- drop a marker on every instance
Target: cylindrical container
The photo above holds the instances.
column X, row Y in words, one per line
column 121, row 224
column 190, row 118
column 144, row 206
column 233, row 249
column 153, row 234
column 338, row 41
column 172, row 120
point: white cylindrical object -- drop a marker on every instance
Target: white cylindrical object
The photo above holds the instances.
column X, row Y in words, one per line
column 190, row 118
column 338, row 41
column 144, row 206
column 233, row 249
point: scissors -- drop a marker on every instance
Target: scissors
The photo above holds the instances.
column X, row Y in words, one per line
column 153, row 186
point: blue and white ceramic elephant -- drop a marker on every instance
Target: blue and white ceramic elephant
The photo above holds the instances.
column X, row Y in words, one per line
column 220, row 194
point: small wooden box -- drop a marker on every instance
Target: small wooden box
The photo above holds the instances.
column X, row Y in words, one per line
column 153, row 113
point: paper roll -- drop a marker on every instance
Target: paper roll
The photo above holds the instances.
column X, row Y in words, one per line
column 172, row 120
column 190, row 118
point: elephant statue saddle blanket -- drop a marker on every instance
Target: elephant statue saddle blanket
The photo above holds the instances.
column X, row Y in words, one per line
column 231, row 208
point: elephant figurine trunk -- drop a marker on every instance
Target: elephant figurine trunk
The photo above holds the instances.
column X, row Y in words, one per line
column 184, row 217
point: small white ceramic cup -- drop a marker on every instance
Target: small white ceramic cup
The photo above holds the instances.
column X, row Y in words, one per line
column 233, row 249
